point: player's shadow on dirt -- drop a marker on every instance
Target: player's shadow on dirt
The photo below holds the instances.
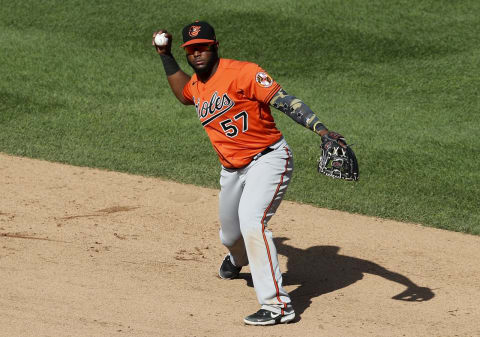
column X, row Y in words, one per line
column 320, row 269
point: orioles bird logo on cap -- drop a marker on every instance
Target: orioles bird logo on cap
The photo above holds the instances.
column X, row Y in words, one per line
column 194, row 30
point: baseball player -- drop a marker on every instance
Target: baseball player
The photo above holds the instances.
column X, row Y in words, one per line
column 232, row 100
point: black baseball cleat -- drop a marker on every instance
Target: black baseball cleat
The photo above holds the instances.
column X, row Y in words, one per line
column 228, row 270
column 267, row 317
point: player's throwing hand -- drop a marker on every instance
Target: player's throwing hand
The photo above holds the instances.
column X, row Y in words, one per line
column 166, row 48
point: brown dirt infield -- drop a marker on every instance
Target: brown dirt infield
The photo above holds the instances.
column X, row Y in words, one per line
column 86, row 252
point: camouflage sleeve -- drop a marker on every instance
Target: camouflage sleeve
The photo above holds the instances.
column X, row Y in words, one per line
column 297, row 110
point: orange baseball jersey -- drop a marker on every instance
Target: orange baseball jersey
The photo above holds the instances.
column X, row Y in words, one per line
column 233, row 107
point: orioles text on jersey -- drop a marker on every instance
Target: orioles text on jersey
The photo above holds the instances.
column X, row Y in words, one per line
column 214, row 108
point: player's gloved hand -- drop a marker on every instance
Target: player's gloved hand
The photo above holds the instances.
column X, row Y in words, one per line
column 166, row 49
column 335, row 137
column 337, row 159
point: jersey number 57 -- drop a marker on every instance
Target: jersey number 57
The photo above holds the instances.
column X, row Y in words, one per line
column 230, row 129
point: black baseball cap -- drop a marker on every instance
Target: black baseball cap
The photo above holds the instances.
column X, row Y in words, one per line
column 198, row 32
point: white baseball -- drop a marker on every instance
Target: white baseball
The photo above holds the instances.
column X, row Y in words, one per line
column 161, row 39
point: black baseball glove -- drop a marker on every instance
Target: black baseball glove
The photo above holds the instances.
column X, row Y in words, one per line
column 337, row 159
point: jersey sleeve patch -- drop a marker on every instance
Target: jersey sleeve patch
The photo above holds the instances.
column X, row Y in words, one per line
column 263, row 79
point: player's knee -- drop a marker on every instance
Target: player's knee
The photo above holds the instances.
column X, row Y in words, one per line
column 227, row 242
column 230, row 237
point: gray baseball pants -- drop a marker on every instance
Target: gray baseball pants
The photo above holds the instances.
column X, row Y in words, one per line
column 249, row 197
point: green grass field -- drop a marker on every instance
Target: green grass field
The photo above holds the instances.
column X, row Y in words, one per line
column 81, row 84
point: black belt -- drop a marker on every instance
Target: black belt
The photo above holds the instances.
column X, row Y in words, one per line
column 264, row 152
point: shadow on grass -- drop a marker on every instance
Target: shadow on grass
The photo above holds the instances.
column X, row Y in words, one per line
column 320, row 270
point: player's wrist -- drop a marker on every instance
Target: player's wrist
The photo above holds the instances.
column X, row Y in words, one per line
column 319, row 129
column 170, row 65
column 322, row 133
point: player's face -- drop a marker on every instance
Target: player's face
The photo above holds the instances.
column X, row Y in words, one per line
column 202, row 57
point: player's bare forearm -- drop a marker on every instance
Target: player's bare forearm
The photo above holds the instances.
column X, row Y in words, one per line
column 177, row 82
column 176, row 77
column 298, row 111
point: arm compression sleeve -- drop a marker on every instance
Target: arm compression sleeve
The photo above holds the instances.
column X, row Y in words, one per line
column 297, row 110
